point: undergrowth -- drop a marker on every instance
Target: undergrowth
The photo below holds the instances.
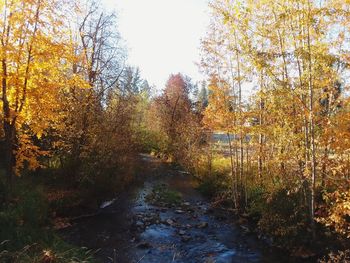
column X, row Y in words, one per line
column 26, row 233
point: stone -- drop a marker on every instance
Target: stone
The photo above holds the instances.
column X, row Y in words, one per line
column 170, row 222
column 186, row 238
column 139, row 224
column 182, row 232
column 202, row 225
column 245, row 229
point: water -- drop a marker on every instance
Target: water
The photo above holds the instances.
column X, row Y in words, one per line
column 189, row 232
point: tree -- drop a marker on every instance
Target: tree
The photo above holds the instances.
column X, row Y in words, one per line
column 178, row 121
column 131, row 80
column 286, row 50
column 101, row 63
column 202, row 97
column 34, row 56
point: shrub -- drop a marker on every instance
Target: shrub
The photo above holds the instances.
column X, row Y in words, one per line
column 337, row 215
column 208, row 187
column 257, row 204
column 25, row 233
column 337, row 257
column 23, row 217
column 284, row 217
column 215, row 181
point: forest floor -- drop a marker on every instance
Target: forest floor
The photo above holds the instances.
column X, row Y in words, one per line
column 163, row 218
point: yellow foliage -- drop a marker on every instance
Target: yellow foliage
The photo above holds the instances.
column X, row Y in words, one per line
column 37, row 57
column 338, row 212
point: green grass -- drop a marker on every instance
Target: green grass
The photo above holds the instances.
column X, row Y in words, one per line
column 162, row 195
column 56, row 251
column 217, row 180
column 26, row 234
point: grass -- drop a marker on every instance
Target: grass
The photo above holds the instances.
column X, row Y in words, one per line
column 26, row 232
column 56, row 251
column 215, row 181
column 162, row 195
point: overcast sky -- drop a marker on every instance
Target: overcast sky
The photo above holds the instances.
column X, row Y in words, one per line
column 162, row 36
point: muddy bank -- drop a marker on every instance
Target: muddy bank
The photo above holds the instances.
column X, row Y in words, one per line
column 163, row 219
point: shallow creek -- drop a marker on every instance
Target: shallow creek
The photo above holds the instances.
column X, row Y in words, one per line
column 133, row 229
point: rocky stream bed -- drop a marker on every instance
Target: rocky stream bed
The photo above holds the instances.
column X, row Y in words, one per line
column 164, row 219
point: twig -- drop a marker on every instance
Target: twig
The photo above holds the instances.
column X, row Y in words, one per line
column 141, row 258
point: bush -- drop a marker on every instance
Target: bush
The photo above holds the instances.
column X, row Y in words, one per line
column 152, row 141
column 337, row 212
column 209, row 186
column 338, row 257
column 25, row 233
column 22, row 218
column 285, row 218
column 257, row 204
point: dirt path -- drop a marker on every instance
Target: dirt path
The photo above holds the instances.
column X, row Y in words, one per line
column 163, row 219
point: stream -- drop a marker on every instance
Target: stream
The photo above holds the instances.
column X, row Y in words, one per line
column 133, row 228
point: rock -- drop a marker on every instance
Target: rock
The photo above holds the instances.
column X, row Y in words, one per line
column 190, row 210
column 139, row 224
column 179, row 211
column 202, row 225
column 170, row 222
column 144, row 245
column 107, row 203
column 182, row 232
column 245, row 229
column 188, row 226
column 186, row 204
column 185, row 238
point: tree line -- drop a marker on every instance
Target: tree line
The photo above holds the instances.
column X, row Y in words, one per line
column 68, row 98
column 278, row 75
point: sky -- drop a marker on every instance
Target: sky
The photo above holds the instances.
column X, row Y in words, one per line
column 162, row 36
